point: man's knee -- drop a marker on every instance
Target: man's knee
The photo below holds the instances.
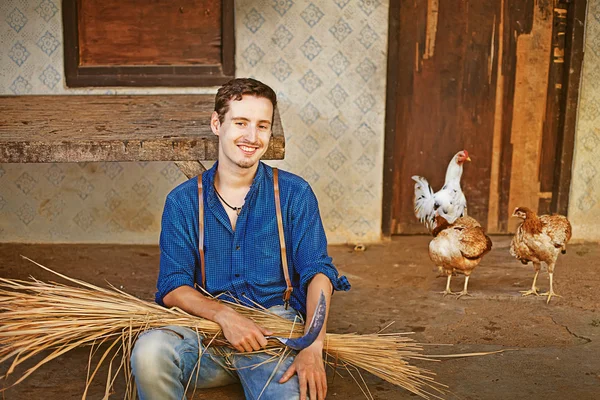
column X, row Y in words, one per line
column 153, row 351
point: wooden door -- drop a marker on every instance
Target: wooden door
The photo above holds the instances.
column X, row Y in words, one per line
column 485, row 76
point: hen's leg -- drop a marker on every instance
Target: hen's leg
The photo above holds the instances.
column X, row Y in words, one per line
column 550, row 293
column 533, row 289
column 440, row 272
column 464, row 291
column 448, row 291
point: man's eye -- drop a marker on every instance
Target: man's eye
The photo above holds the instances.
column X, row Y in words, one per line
column 239, row 123
column 263, row 127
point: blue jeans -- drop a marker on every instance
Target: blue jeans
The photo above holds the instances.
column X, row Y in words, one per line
column 164, row 360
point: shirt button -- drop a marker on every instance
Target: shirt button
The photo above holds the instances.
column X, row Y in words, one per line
column 237, row 275
column 237, row 247
column 243, row 293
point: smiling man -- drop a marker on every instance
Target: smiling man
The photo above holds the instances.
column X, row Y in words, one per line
column 239, row 257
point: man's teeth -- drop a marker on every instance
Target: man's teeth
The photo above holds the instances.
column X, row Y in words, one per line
column 247, row 148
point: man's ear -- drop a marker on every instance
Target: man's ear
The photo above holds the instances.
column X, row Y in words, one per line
column 215, row 124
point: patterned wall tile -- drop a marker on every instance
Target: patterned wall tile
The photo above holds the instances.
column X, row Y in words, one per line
column 26, row 183
column 312, row 15
column 253, row 20
column 16, row 20
column 310, row 81
column 336, row 159
column 340, row 30
column 113, row 200
column 21, row 86
column 84, row 219
column 282, row 37
column 282, row 6
column 48, row 43
column 54, row 174
column 143, row 188
column 18, row 53
column 311, row 48
column 281, row 70
column 143, row 220
column 368, row 6
column 253, row 54
column 338, row 63
column 46, row 9
column 309, row 114
column 53, row 208
column 83, row 188
column 26, row 213
column 337, row 96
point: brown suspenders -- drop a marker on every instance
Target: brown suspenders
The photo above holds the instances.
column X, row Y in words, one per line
column 288, row 291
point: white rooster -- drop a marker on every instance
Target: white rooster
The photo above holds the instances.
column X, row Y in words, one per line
column 449, row 201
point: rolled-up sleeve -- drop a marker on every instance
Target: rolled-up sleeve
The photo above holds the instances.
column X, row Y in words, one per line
column 310, row 244
column 177, row 252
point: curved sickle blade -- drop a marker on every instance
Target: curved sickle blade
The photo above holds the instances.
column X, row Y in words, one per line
column 316, row 324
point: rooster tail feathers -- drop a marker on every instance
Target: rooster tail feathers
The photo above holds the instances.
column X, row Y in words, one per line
column 424, row 202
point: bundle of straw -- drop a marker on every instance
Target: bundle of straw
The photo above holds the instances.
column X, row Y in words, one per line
column 52, row 318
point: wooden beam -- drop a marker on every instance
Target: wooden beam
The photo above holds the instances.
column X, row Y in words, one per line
column 39, row 129
column 574, row 52
column 190, row 168
column 393, row 74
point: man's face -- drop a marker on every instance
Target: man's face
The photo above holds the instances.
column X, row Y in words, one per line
column 245, row 132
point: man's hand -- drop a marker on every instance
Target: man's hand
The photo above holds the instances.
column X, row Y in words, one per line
column 243, row 334
column 310, row 368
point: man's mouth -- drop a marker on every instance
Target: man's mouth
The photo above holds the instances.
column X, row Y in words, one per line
column 248, row 150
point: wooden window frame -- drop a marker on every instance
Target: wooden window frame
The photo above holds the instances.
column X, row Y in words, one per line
column 151, row 75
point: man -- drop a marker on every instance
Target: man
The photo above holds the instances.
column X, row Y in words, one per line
column 242, row 259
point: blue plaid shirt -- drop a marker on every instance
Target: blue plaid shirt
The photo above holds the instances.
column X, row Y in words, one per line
column 245, row 263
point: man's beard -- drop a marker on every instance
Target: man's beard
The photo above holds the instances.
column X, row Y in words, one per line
column 245, row 164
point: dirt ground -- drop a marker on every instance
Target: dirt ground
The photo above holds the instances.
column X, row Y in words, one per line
column 556, row 346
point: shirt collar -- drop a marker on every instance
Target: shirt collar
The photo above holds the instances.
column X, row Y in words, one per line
column 208, row 180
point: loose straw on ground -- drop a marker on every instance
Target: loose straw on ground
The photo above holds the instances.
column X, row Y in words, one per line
column 52, row 318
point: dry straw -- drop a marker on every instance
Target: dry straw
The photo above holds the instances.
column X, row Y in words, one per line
column 50, row 319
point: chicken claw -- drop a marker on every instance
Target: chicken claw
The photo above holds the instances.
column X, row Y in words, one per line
column 550, row 294
column 448, row 292
column 533, row 290
column 463, row 293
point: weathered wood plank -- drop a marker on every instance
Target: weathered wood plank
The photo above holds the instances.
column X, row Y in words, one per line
column 444, row 101
column 190, row 168
column 574, row 49
column 172, row 33
column 146, row 62
column 527, row 124
column 39, row 129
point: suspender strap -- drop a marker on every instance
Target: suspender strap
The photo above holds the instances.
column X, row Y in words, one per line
column 288, row 291
column 201, row 230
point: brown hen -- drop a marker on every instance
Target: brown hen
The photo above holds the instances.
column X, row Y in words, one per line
column 539, row 239
column 458, row 247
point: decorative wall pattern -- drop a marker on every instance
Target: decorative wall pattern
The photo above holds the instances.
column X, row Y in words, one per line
column 584, row 200
column 327, row 61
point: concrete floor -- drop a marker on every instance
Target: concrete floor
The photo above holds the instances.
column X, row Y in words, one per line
column 556, row 346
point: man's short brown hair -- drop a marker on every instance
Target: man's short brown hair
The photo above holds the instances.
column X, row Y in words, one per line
column 236, row 88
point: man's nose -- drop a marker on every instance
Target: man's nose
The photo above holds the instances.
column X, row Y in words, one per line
column 251, row 133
